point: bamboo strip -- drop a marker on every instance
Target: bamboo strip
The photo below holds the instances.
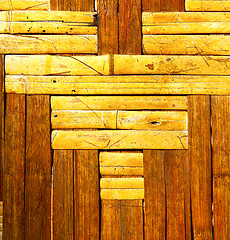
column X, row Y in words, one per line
column 207, row 5
column 122, row 183
column 122, row 194
column 24, row 5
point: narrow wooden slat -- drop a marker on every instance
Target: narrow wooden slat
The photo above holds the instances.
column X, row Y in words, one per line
column 63, row 203
column 151, row 6
column 171, row 5
column 38, row 168
column 86, row 194
column 83, row 119
column 159, row 64
column 24, row 5
column 4, row 16
column 220, row 165
column 200, row 163
column 82, row 5
column 155, row 120
column 37, row 44
column 121, row 171
column 207, row 5
column 118, row 103
column 122, row 194
column 119, row 139
column 57, row 65
column 122, row 183
column 14, row 168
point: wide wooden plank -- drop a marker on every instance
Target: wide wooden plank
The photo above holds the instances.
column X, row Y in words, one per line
column 63, row 195
column 121, row 171
column 119, row 139
column 207, row 5
column 57, row 65
column 37, row 44
column 167, row 64
column 155, row 120
column 162, row 5
column 14, row 168
column 122, row 194
column 118, row 103
column 122, row 183
column 24, row 5
column 220, row 106
column 186, row 44
column 86, row 195
column 38, row 169
column 200, row 162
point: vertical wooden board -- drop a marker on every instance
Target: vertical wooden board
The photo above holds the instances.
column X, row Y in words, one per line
column 72, row 5
column 155, row 200
column 38, row 168
column 221, row 165
column 151, row 6
column 63, row 189
column 86, row 194
column 163, row 5
column 14, row 164
column 200, row 165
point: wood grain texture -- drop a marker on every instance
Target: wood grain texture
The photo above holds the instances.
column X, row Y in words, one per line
column 24, row 5
column 76, row 5
column 207, row 5
column 63, row 199
column 200, row 165
column 86, row 194
column 122, row 183
column 122, row 194
column 38, row 168
column 163, row 5
column 220, row 165
column 14, row 168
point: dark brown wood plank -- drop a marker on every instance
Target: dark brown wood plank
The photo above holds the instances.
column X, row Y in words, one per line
column 86, row 194
column 72, row 5
column 163, row 5
column 63, row 193
column 38, row 168
column 14, row 168
column 221, row 165
column 200, row 163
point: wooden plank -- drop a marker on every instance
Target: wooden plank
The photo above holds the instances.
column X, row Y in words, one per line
column 37, row 44
column 4, row 16
column 122, row 194
column 200, row 163
column 24, row 5
column 119, row 139
column 14, row 168
column 220, row 166
column 122, row 183
column 38, row 168
column 86, row 195
column 57, row 65
column 155, row 120
column 207, row 5
column 167, row 64
column 118, row 103
column 62, row 119
column 121, row 171
column 63, row 199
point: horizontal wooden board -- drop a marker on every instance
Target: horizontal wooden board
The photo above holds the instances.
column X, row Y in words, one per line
column 56, row 65
column 155, row 120
column 166, row 64
column 120, row 159
column 4, row 16
column 118, row 102
column 113, row 85
column 207, row 5
column 186, row 44
column 122, row 183
column 122, row 171
column 24, row 5
column 37, row 44
column 83, row 119
column 122, row 194
column 119, row 139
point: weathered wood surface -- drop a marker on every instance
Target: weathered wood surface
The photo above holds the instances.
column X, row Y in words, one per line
column 122, row 171
column 122, row 194
column 207, row 5
column 118, row 102
column 57, row 65
column 119, row 139
column 163, row 5
column 220, row 165
column 199, row 138
column 122, row 183
column 24, row 5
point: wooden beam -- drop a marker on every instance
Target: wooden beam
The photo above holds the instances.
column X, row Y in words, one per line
column 207, row 5
column 24, row 5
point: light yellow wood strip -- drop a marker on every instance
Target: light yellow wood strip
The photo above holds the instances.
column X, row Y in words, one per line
column 62, row 119
column 4, row 28
column 210, row 6
column 122, row 171
column 155, row 120
column 42, row 44
column 24, row 5
column 167, row 64
column 122, row 194
column 56, row 65
column 4, row 16
column 186, row 44
column 117, row 159
column 120, row 183
column 118, row 102
column 119, row 139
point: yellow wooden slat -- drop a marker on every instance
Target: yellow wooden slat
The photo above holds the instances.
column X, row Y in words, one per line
column 207, row 5
column 122, row 194
column 118, row 102
column 119, row 139
column 121, row 183
column 56, row 65
column 83, row 119
column 24, row 5
column 4, row 16
column 1, row 219
column 121, row 171
column 4, row 27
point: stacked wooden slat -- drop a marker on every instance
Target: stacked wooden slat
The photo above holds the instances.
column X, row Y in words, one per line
column 207, row 5
column 24, row 5
column 1, row 219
